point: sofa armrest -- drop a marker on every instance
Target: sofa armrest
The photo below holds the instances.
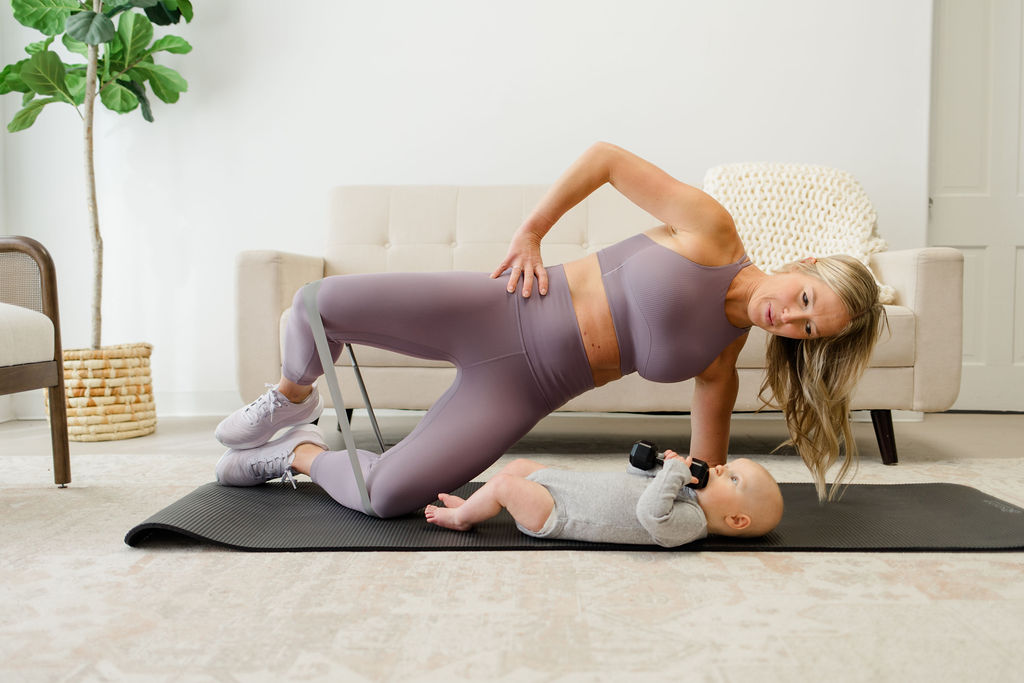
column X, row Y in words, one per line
column 267, row 283
column 929, row 281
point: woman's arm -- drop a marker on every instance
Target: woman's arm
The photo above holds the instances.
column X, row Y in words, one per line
column 714, row 397
column 667, row 199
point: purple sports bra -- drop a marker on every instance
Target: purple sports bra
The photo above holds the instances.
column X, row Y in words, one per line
column 668, row 312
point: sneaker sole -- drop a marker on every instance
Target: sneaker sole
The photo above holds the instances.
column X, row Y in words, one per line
column 242, row 445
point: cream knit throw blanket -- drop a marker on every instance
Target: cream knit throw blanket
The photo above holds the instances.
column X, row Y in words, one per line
column 787, row 212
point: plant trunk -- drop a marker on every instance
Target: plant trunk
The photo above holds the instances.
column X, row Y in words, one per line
column 90, row 189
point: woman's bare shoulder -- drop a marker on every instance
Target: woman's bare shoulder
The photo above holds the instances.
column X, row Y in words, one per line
column 715, row 244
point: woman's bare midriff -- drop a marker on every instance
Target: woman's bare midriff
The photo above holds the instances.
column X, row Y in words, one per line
column 591, row 302
column 594, row 317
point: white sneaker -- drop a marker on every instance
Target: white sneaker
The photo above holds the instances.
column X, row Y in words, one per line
column 256, row 423
column 254, row 466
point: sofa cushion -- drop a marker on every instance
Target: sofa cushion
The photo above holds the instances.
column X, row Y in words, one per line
column 26, row 336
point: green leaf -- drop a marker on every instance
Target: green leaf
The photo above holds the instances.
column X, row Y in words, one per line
column 76, row 85
column 113, row 57
column 90, row 28
column 116, row 9
column 47, row 16
column 167, row 84
column 76, row 46
column 44, row 73
column 161, row 16
column 27, row 116
column 136, row 76
column 135, row 32
column 42, row 45
column 168, row 12
column 174, row 44
column 11, row 81
column 140, row 92
column 118, row 6
column 118, row 98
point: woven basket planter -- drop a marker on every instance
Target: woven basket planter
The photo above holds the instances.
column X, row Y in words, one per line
column 109, row 392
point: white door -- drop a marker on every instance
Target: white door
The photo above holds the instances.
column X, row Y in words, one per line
column 977, row 187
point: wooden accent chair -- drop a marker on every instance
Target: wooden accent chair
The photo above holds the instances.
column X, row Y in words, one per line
column 30, row 349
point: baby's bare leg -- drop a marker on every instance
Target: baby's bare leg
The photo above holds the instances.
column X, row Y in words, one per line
column 521, row 467
column 528, row 502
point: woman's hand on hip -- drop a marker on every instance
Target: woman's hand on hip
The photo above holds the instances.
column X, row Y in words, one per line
column 524, row 259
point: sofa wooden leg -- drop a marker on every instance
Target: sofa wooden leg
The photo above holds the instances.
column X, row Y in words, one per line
column 882, row 420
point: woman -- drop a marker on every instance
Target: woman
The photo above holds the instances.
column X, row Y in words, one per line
column 673, row 303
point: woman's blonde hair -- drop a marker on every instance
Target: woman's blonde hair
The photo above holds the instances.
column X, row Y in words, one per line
column 811, row 380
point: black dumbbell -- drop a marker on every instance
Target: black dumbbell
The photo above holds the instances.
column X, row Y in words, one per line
column 644, row 456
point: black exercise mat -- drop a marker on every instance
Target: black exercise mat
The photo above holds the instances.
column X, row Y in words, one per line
column 870, row 517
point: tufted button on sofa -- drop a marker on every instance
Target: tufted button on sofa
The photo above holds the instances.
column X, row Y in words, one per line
column 429, row 228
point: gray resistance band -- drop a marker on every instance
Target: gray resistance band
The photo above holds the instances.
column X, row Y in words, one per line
column 316, row 324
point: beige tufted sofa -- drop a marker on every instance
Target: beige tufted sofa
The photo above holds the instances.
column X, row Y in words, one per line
column 425, row 228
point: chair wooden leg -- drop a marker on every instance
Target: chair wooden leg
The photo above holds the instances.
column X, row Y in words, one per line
column 59, row 437
column 882, row 420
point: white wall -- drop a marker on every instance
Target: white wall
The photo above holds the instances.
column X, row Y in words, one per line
column 289, row 99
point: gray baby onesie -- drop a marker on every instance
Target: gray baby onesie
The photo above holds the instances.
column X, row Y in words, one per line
column 632, row 507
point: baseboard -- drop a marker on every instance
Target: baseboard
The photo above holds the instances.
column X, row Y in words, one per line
column 28, row 405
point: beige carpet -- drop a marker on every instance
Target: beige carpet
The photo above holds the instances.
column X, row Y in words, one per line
column 80, row 605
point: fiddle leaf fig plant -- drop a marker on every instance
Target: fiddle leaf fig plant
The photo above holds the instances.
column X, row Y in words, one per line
column 120, row 67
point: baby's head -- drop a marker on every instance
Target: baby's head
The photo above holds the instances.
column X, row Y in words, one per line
column 740, row 499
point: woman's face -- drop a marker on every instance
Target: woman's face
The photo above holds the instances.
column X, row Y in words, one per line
column 797, row 306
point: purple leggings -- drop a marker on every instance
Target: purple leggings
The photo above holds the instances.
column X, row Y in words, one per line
column 517, row 360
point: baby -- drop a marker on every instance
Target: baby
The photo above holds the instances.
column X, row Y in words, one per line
column 634, row 507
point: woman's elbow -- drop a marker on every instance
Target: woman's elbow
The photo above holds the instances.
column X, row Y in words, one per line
column 721, row 378
column 608, row 153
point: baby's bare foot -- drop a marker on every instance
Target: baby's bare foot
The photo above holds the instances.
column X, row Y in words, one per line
column 446, row 517
column 450, row 501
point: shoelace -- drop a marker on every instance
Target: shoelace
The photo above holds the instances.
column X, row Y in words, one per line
column 268, row 468
column 265, row 404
